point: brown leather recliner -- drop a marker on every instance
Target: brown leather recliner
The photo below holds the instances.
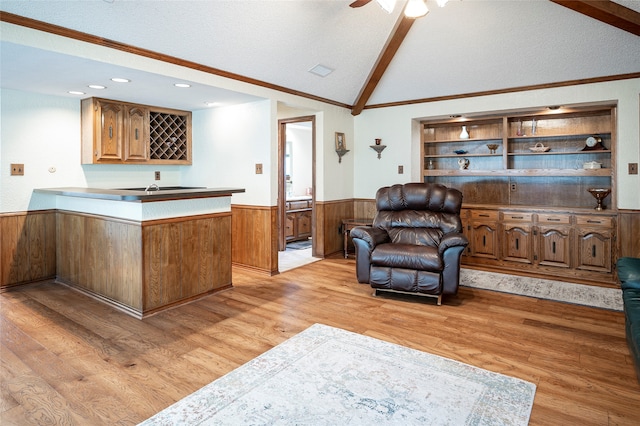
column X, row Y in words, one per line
column 415, row 243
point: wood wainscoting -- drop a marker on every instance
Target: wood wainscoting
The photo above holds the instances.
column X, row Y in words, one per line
column 27, row 247
column 255, row 238
column 144, row 267
column 329, row 216
column 629, row 233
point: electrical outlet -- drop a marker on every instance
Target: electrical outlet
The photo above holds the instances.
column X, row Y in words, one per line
column 400, row 170
column 157, row 175
column 17, row 169
column 259, row 168
column 633, row 168
column 514, row 187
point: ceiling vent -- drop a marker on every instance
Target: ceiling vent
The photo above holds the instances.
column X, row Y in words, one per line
column 321, row 70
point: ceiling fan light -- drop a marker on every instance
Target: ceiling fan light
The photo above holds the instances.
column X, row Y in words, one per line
column 415, row 9
column 387, row 5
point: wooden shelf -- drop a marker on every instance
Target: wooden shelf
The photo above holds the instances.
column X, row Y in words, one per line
column 520, row 172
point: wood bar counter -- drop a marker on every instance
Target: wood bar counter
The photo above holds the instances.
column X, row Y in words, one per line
column 144, row 251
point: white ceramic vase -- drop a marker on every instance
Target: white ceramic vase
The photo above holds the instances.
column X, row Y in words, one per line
column 464, row 134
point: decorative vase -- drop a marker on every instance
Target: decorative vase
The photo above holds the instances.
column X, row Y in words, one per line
column 463, row 163
column 464, row 134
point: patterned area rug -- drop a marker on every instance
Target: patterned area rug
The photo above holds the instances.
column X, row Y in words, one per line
column 580, row 294
column 329, row 376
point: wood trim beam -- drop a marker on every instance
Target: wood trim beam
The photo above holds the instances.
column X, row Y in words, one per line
column 100, row 41
column 508, row 90
column 396, row 38
column 606, row 11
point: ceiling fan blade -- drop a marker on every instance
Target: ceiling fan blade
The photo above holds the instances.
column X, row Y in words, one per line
column 359, row 3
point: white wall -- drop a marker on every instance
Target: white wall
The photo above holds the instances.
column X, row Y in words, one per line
column 398, row 129
column 43, row 132
column 301, row 158
column 228, row 143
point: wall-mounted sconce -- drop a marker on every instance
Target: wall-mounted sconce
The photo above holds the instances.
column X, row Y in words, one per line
column 340, row 153
column 378, row 147
column 341, row 146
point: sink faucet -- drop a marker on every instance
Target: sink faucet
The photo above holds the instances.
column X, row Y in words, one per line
column 152, row 186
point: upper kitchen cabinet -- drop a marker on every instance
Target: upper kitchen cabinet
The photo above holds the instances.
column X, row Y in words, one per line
column 115, row 132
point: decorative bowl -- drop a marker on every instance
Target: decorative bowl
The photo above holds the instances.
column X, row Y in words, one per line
column 492, row 147
column 539, row 147
column 460, row 151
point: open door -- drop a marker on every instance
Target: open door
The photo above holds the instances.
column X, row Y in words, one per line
column 296, row 196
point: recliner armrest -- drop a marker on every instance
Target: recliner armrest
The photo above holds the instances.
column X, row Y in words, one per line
column 372, row 236
column 452, row 239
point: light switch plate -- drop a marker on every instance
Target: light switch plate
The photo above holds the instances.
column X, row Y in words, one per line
column 157, row 175
column 17, row 169
column 400, row 170
column 259, row 168
column 633, row 168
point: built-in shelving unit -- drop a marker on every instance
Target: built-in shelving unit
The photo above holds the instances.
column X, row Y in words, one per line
column 525, row 178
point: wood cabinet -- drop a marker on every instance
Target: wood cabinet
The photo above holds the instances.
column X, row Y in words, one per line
column 483, row 234
column 566, row 244
column 116, row 132
column 524, row 176
column 298, row 216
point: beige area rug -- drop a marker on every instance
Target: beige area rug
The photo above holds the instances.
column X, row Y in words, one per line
column 329, row 376
column 579, row 294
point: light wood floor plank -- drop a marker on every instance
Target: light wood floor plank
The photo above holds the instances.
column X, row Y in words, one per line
column 68, row 359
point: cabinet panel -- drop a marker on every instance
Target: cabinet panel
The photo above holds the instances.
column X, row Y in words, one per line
column 108, row 145
column 484, row 240
column 304, row 224
column 594, row 250
column 553, row 246
column 137, row 140
column 289, row 225
column 517, row 243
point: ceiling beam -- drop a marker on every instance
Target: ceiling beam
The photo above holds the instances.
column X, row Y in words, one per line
column 398, row 34
column 606, row 11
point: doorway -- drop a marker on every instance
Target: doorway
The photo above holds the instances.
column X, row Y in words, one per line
column 296, row 187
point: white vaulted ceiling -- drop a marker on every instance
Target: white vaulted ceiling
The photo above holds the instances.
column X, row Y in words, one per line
column 467, row 47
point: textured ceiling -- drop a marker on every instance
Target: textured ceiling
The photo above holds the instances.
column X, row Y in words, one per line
column 468, row 46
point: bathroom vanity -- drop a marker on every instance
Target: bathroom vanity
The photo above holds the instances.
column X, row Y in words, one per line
column 144, row 251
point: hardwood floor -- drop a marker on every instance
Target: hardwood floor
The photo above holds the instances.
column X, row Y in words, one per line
column 68, row 359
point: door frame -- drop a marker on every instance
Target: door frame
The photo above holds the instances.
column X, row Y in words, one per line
column 282, row 148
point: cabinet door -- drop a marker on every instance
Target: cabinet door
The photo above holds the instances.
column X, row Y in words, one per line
column 594, row 249
column 289, row 225
column 484, row 240
column 553, row 246
column 136, row 147
column 111, row 131
column 304, row 224
column 517, row 242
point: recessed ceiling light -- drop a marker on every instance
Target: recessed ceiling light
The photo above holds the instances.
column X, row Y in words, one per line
column 321, row 70
column 212, row 104
column 120, row 80
column 182, row 85
column 97, row 86
column 76, row 92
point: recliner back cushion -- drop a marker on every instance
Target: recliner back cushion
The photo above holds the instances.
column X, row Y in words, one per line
column 418, row 213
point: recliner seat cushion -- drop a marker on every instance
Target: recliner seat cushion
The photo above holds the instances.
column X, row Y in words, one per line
column 407, row 256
